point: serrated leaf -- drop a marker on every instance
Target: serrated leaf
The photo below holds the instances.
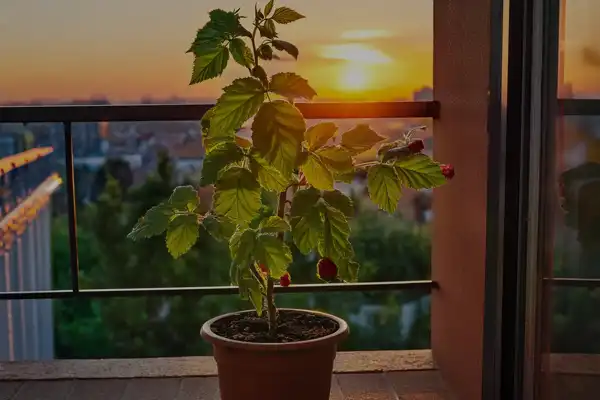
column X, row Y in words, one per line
column 226, row 22
column 242, row 246
column 210, row 62
column 348, row 271
column 241, row 53
column 269, row 7
column 219, row 156
column 268, row 176
column 237, row 195
column 339, row 201
column 265, row 52
column 337, row 158
column 182, row 234
column 277, row 133
column 292, row 86
column 307, row 230
column 273, row 224
column 384, row 186
column 273, row 253
column 335, row 243
column 285, row 15
column 289, row 48
column 304, row 200
column 318, row 135
column 184, row 198
column 346, row 177
column 219, row 227
column 419, row 172
column 237, row 104
column 250, row 288
column 360, row 139
column 316, row 172
column 154, row 222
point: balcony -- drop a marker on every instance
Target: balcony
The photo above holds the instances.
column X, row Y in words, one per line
column 493, row 279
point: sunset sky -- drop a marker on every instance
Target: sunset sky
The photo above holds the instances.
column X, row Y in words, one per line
column 126, row 49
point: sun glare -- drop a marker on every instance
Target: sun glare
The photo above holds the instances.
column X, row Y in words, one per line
column 365, row 34
column 354, row 77
column 355, row 52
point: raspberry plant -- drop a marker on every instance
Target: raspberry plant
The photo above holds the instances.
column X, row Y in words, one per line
column 285, row 164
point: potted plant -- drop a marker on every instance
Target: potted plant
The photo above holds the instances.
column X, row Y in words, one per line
column 269, row 353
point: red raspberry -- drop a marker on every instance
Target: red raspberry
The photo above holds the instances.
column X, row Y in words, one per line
column 326, row 269
column 447, row 171
column 416, row 147
column 285, row 280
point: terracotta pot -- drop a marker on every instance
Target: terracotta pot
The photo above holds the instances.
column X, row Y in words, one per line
column 275, row 371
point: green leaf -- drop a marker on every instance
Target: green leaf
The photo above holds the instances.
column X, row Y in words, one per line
column 304, row 200
column 289, row 48
column 226, row 22
column 360, row 139
column 274, row 225
column 273, row 253
column 292, row 86
column 210, row 62
column 268, row 176
column 318, row 135
column 220, row 156
column 337, row 158
column 269, row 7
column 184, row 198
column 335, row 243
column 419, row 172
column 339, row 201
column 285, row 15
column 223, row 25
column 265, row 52
column 241, row 53
column 384, row 186
column 237, row 104
column 317, row 173
column 250, row 288
column 237, row 195
column 307, row 230
column 242, row 246
column 277, row 133
column 182, row 234
column 348, row 270
column 154, row 222
column 219, row 227
column 268, row 30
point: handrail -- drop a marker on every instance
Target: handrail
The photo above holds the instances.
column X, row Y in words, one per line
column 193, row 112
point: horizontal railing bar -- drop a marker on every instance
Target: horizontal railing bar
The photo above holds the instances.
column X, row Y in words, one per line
column 193, row 112
column 424, row 286
column 589, row 107
column 573, row 282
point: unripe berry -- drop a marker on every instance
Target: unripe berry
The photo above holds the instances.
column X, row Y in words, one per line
column 327, row 269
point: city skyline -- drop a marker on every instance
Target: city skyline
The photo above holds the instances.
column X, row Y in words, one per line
column 130, row 49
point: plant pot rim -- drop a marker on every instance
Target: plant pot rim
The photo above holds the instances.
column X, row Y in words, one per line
column 340, row 334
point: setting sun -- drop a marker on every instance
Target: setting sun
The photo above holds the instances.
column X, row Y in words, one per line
column 354, row 77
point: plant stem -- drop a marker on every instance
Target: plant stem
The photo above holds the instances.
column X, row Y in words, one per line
column 271, row 308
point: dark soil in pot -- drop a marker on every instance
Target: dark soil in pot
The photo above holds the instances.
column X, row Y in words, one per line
column 293, row 326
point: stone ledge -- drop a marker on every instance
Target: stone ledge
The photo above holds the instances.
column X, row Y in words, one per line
column 346, row 362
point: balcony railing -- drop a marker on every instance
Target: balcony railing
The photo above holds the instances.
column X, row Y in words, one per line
column 67, row 115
